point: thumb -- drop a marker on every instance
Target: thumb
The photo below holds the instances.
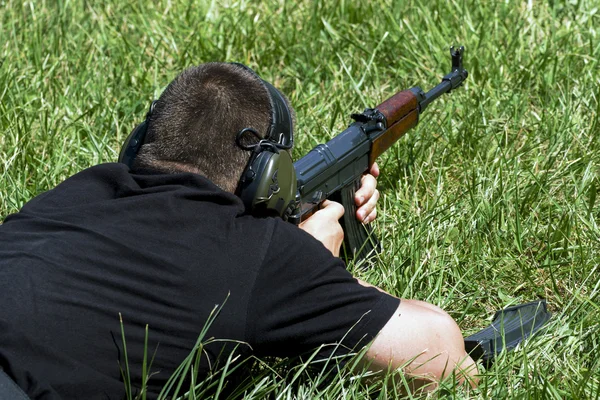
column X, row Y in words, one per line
column 332, row 209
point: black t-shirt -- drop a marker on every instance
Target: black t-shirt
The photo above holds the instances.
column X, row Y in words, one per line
column 161, row 250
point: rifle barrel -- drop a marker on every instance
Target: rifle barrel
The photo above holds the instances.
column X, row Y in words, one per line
column 449, row 82
column 443, row 87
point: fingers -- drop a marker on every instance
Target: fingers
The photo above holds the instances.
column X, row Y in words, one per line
column 370, row 218
column 374, row 170
column 368, row 212
column 366, row 197
column 368, row 187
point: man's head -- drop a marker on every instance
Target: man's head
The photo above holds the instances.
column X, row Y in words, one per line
column 194, row 123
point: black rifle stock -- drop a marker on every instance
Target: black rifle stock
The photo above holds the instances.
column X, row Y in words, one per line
column 334, row 170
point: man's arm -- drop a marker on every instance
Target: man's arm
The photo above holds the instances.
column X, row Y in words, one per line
column 419, row 338
column 425, row 343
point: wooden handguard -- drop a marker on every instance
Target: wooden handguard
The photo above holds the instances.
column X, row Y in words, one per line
column 401, row 112
column 398, row 106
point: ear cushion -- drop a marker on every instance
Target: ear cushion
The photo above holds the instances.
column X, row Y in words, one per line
column 132, row 144
column 268, row 185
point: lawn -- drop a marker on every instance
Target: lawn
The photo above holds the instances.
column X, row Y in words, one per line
column 489, row 202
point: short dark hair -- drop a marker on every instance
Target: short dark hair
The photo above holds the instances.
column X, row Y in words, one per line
column 196, row 119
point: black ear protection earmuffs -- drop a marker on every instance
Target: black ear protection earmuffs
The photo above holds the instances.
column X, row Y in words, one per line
column 268, row 184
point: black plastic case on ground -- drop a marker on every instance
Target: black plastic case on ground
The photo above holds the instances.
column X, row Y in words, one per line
column 509, row 327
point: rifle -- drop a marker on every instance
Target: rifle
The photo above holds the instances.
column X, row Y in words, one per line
column 334, row 170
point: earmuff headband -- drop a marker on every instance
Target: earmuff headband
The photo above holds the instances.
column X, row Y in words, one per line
column 135, row 140
column 281, row 129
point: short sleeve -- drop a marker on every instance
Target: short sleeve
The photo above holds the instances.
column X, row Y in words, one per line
column 304, row 297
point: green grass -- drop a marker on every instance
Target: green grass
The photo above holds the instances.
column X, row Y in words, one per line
column 489, row 202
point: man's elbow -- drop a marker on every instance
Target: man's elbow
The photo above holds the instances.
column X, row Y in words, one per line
column 425, row 343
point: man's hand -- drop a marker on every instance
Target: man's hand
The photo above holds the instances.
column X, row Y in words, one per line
column 324, row 225
column 366, row 197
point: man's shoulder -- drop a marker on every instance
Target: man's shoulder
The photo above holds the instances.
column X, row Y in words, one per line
column 99, row 172
column 293, row 251
column 90, row 184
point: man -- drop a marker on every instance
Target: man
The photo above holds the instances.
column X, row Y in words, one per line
column 162, row 243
